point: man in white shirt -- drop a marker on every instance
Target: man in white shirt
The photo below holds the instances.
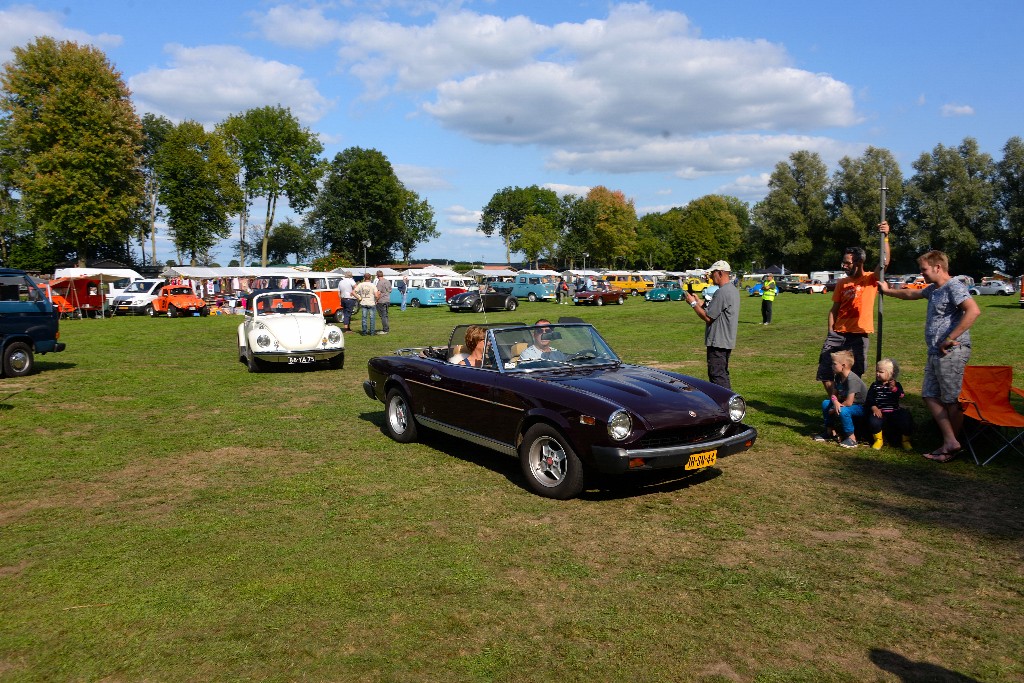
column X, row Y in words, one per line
column 541, row 348
column 348, row 299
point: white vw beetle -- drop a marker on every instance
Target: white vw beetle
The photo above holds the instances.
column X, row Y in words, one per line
column 287, row 326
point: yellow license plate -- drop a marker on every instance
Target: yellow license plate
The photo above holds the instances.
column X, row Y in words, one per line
column 698, row 460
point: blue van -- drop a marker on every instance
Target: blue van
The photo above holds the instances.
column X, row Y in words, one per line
column 534, row 285
column 422, row 291
column 29, row 323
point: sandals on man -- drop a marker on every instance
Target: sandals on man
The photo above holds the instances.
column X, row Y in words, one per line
column 943, row 456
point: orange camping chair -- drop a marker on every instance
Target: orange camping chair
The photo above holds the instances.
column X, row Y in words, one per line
column 985, row 398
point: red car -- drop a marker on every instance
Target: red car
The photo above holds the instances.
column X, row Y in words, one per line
column 599, row 295
column 178, row 300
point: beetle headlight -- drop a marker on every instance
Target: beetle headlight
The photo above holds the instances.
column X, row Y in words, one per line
column 263, row 340
column 334, row 337
column 620, row 425
column 737, row 408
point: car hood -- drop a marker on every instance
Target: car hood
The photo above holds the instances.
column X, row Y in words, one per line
column 182, row 300
column 662, row 399
column 295, row 331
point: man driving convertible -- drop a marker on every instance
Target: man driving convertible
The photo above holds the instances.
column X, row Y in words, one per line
column 541, row 348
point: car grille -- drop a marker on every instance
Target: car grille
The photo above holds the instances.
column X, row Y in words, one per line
column 682, row 437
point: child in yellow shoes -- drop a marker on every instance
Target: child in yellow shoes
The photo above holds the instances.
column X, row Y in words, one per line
column 882, row 406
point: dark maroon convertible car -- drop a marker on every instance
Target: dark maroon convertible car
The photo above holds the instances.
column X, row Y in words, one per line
column 561, row 400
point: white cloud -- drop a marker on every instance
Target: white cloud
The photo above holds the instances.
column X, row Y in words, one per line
column 950, row 110
column 304, row 27
column 21, row 24
column 422, row 178
column 561, row 189
column 750, row 188
column 691, row 158
column 639, row 90
column 212, row 82
column 460, row 215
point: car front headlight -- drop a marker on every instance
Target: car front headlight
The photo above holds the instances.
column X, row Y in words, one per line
column 737, row 408
column 263, row 340
column 334, row 337
column 620, row 425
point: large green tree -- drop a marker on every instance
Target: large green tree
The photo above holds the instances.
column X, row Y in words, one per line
column 75, row 143
column 289, row 239
column 418, row 224
column 155, row 130
column 277, row 157
column 578, row 217
column 508, row 209
column 361, row 201
column 951, row 205
column 198, row 187
column 654, row 234
column 855, row 202
column 614, row 226
column 792, row 220
column 1010, row 188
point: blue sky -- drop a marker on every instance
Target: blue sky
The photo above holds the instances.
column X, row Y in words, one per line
column 666, row 101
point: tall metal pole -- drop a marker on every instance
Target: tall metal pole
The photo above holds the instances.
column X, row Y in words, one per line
column 881, row 273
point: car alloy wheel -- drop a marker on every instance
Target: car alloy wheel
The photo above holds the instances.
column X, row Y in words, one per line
column 531, row 297
column 511, row 304
column 599, row 301
column 549, row 463
column 399, row 423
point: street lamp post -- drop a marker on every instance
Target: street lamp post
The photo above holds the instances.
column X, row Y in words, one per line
column 366, row 245
column 585, row 255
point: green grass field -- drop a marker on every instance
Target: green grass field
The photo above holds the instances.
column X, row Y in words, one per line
column 167, row 516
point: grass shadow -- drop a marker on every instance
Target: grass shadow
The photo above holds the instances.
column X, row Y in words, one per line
column 950, row 496
column 910, row 671
column 599, row 487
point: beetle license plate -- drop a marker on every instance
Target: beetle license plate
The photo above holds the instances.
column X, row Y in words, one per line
column 698, row 460
column 301, row 359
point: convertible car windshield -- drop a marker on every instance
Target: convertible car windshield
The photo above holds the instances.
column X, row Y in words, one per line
column 525, row 349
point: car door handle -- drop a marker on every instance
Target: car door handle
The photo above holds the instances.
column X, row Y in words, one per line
column 434, row 377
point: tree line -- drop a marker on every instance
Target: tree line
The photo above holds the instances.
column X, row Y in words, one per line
column 82, row 176
column 959, row 200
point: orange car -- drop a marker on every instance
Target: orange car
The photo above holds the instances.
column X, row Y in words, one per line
column 178, row 300
column 914, row 282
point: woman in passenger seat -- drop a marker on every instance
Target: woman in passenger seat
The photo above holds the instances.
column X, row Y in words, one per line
column 474, row 346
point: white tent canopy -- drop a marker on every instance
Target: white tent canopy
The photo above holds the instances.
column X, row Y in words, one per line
column 208, row 273
column 101, row 274
column 490, row 272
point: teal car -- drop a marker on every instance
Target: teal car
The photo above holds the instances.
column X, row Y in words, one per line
column 666, row 291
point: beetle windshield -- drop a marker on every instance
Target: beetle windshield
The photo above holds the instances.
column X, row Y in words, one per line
column 277, row 303
column 544, row 347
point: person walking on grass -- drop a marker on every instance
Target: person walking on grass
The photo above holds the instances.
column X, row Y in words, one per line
column 722, row 320
column 947, row 336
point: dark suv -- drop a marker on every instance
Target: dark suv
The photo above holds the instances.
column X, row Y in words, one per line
column 28, row 323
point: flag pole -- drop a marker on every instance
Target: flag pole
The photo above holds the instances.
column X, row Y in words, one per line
column 881, row 273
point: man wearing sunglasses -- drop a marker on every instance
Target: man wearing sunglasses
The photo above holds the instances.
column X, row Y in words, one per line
column 851, row 318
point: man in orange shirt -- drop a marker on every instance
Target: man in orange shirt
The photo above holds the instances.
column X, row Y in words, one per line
column 851, row 318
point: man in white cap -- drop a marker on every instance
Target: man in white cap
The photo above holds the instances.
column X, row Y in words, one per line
column 722, row 320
